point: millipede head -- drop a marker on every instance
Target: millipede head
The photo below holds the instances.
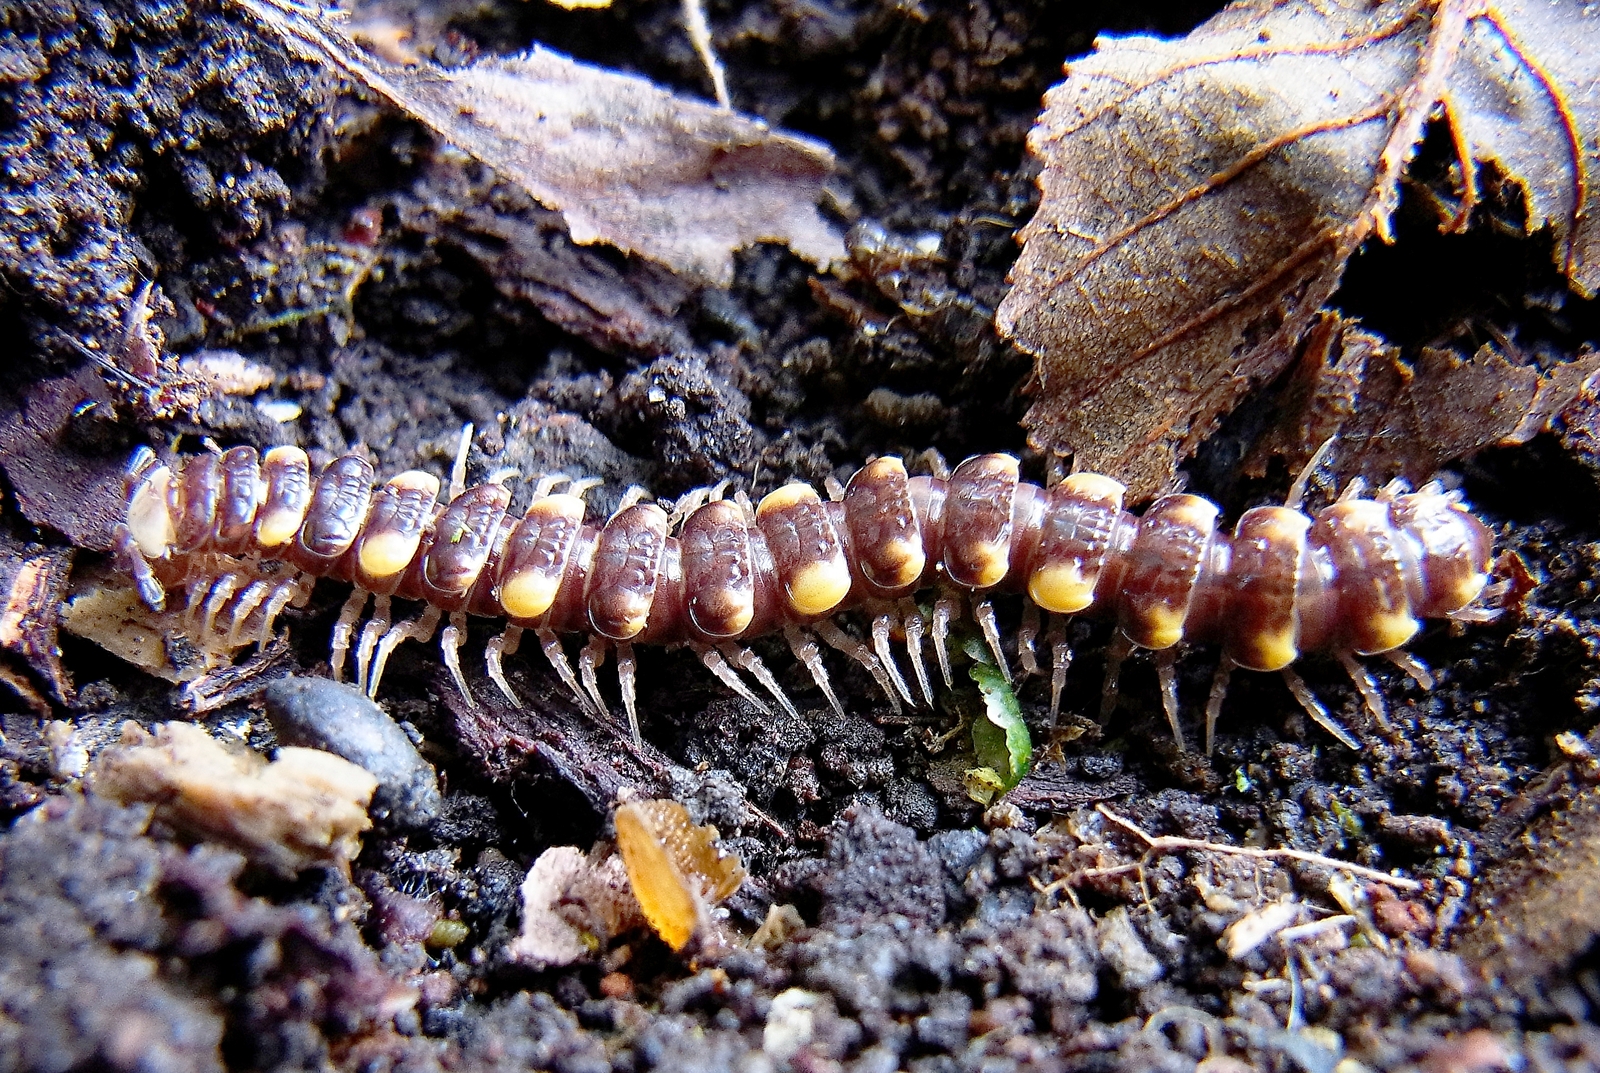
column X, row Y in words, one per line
column 149, row 516
column 1456, row 551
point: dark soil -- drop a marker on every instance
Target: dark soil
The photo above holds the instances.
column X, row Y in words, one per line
column 147, row 139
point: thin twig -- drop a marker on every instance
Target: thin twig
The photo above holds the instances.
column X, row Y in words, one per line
column 1166, row 843
column 694, row 17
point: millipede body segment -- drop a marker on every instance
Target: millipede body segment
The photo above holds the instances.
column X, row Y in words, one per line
column 245, row 535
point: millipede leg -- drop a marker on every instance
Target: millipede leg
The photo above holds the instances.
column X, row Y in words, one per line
column 983, row 611
column 945, row 610
column 859, row 652
column 628, row 682
column 748, row 660
column 1393, row 490
column 216, row 600
column 1480, row 615
column 144, row 577
column 419, row 629
column 1219, row 690
column 810, row 656
column 450, row 644
column 551, row 644
column 1117, row 652
column 283, row 594
column 499, row 646
column 243, row 608
column 1167, row 674
column 194, row 602
column 1319, row 715
column 719, row 667
column 1302, row 481
column 1367, row 686
column 1060, row 660
column 1414, row 668
column 881, row 625
column 349, row 615
column 371, row 634
column 590, row 660
column 1027, row 633
column 915, row 628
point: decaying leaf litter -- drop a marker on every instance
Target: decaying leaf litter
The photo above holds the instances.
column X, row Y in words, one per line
column 935, row 941
column 1203, row 197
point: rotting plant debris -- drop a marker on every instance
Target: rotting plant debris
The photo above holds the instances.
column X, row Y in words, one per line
column 1154, row 296
column 1286, row 903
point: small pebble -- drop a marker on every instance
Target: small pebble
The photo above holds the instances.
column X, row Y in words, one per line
column 448, row 933
column 342, row 720
column 616, row 985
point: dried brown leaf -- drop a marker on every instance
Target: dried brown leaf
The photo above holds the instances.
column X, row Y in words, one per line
column 1524, row 96
column 1561, row 395
column 1393, row 416
column 1577, row 423
column 674, row 180
column 1202, row 196
column 677, row 871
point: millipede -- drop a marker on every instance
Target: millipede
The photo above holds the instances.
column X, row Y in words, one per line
column 246, row 535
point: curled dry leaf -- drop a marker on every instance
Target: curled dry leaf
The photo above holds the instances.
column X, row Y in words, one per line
column 674, row 180
column 1577, row 421
column 1388, row 415
column 677, row 870
column 1202, row 196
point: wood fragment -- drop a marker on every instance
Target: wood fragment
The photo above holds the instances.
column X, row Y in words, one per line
column 32, row 580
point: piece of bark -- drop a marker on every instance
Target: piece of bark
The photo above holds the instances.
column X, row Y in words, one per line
column 629, row 309
column 1052, row 788
column 551, row 736
column 32, row 580
column 60, row 485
